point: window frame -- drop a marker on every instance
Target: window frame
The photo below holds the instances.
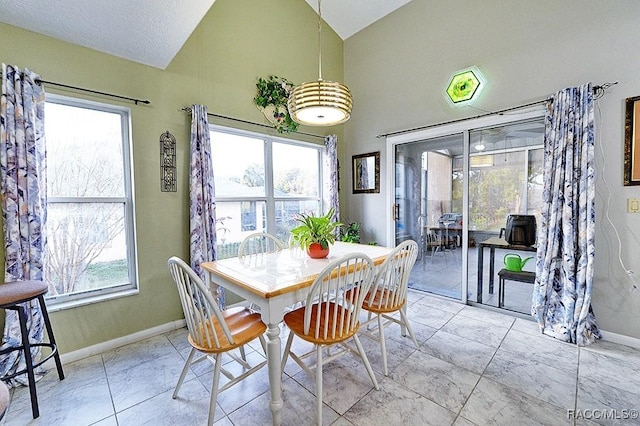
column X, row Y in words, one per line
column 269, row 197
column 65, row 301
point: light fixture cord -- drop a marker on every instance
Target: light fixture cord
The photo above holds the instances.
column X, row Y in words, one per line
column 319, row 42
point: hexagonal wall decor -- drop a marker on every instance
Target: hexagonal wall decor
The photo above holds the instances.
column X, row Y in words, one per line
column 464, row 85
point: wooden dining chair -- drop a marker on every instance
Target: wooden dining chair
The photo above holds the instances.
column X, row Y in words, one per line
column 259, row 243
column 330, row 317
column 213, row 332
column 388, row 295
column 254, row 245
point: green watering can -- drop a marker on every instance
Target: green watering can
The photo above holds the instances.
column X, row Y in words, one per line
column 513, row 262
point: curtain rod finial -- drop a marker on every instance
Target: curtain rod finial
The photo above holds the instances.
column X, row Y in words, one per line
column 599, row 89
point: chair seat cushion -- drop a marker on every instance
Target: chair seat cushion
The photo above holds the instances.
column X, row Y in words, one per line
column 21, row 291
column 295, row 321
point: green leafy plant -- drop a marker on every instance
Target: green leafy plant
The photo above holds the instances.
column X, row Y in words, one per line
column 351, row 233
column 315, row 229
column 273, row 94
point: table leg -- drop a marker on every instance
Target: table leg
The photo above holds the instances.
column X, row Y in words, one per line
column 274, row 358
column 492, row 268
column 480, row 272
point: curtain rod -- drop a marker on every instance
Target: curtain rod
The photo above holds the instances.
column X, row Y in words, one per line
column 66, row 86
column 188, row 110
column 53, row 83
column 598, row 92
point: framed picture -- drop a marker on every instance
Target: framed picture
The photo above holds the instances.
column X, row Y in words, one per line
column 366, row 173
column 632, row 142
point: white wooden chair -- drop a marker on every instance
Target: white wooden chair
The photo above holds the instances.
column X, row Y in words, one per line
column 331, row 317
column 388, row 295
column 213, row 332
column 259, row 243
column 255, row 245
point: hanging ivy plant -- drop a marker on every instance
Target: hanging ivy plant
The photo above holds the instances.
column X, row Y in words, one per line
column 273, row 93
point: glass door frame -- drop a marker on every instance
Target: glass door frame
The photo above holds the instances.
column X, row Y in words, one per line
column 463, row 127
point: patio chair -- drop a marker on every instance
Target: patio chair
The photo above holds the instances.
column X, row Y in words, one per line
column 434, row 243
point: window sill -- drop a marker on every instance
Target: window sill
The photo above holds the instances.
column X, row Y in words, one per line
column 61, row 306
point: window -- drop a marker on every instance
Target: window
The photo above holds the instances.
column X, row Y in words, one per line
column 90, row 249
column 261, row 184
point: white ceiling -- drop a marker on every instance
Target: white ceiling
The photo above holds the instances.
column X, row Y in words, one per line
column 347, row 17
column 152, row 32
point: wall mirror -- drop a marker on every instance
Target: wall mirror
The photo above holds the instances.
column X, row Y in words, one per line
column 366, row 173
column 632, row 142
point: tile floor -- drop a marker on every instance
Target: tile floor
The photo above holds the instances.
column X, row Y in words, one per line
column 473, row 366
column 440, row 273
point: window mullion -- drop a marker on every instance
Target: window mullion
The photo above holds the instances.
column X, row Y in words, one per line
column 269, row 183
column 525, row 192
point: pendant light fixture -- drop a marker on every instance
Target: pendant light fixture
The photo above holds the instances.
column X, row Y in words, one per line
column 320, row 103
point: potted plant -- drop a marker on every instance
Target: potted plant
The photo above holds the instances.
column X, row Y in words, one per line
column 271, row 99
column 315, row 233
column 351, row 233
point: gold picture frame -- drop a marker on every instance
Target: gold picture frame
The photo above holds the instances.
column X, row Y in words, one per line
column 632, row 141
column 366, row 173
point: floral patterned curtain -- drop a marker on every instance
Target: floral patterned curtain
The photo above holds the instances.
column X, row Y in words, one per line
column 202, row 205
column 24, row 200
column 564, row 263
column 331, row 142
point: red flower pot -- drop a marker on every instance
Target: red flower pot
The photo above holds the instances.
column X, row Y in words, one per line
column 315, row 251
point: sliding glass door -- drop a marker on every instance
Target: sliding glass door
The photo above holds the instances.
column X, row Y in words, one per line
column 455, row 186
column 504, row 178
column 425, row 212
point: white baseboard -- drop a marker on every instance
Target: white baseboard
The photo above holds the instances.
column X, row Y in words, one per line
column 165, row 328
column 620, row 339
column 115, row 343
column 121, row 341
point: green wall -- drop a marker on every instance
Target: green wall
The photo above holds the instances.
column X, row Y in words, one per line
column 236, row 42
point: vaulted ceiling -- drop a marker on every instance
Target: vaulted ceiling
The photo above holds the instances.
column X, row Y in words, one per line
column 152, row 32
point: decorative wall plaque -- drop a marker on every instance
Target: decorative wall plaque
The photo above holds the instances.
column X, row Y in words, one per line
column 168, row 172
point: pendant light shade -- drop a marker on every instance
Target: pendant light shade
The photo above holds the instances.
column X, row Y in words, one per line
column 320, row 102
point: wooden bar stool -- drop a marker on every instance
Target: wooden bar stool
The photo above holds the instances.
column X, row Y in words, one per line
column 12, row 295
column 505, row 274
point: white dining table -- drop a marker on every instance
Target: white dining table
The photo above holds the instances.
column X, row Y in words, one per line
column 275, row 281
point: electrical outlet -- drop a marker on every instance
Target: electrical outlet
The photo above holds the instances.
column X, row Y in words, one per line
column 633, row 205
